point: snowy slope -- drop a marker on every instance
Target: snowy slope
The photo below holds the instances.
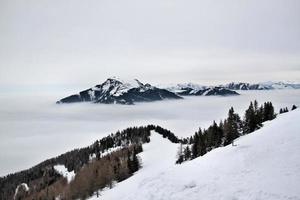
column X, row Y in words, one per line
column 264, row 165
column 158, row 156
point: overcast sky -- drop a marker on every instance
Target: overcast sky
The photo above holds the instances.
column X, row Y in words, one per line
column 75, row 42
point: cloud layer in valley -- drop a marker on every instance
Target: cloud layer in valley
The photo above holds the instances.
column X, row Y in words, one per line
column 34, row 128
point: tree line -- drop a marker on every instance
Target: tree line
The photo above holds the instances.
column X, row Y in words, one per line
column 226, row 131
column 285, row 110
column 93, row 177
column 43, row 175
column 105, row 169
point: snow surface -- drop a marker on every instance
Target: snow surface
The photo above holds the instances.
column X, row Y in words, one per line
column 158, row 156
column 23, row 185
column 176, row 88
column 120, row 86
column 264, row 165
column 61, row 169
column 106, row 152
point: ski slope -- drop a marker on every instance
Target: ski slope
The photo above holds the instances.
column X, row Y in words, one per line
column 264, row 165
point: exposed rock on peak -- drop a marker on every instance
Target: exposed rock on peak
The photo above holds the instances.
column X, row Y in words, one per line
column 117, row 91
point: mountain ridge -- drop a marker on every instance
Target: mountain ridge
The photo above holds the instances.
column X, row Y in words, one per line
column 268, row 85
column 117, row 91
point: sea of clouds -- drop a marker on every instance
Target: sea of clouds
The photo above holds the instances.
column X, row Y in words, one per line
column 33, row 128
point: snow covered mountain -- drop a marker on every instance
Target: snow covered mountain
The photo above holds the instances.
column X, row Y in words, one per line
column 262, row 165
column 261, row 86
column 281, row 85
column 191, row 89
column 117, row 91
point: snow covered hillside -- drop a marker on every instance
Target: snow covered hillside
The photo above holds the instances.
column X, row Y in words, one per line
column 263, row 165
column 158, row 157
column 117, row 91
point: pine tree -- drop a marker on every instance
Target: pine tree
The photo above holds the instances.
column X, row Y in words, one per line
column 269, row 113
column 294, row 107
column 251, row 120
column 280, row 111
column 231, row 126
column 217, row 134
column 195, row 145
column 187, row 153
column 202, row 146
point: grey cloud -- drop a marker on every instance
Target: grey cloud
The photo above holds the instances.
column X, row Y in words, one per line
column 71, row 42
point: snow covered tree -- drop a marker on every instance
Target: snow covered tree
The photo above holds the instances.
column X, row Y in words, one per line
column 180, row 157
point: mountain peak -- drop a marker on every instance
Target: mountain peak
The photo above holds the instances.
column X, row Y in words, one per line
column 115, row 90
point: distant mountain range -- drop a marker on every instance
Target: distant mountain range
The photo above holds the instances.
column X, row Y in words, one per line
column 261, row 86
column 191, row 89
column 117, row 91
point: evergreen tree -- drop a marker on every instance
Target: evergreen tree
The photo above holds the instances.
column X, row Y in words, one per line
column 251, row 120
column 280, row 111
column 218, row 134
column 195, row 145
column 294, row 107
column 187, row 153
column 269, row 113
column 202, row 146
column 231, row 126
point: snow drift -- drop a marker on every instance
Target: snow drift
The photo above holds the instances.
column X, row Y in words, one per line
column 264, row 165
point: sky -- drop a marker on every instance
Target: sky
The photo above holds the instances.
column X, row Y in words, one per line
column 81, row 43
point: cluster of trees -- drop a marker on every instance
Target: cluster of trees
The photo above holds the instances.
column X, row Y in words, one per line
column 167, row 134
column 76, row 159
column 94, row 176
column 225, row 132
column 102, row 173
column 285, row 110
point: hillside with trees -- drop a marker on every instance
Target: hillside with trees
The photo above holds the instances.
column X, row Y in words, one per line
column 115, row 158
